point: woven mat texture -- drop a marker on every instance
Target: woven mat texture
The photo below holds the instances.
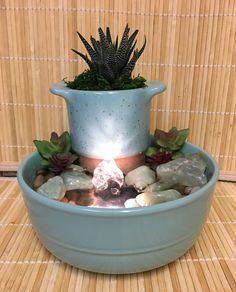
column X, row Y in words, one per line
column 25, row 265
column 190, row 47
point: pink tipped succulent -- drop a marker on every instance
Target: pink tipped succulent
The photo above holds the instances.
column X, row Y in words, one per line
column 60, row 161
column 56, row 153
column 158, row 158
column 166, row 147
column 172, row 140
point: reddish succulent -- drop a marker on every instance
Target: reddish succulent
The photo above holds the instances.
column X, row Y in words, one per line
column 60, row 161
column 158, row 158
column 172, row 140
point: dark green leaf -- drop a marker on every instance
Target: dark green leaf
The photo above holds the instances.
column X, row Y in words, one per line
column 151, row 151
column 45, row 148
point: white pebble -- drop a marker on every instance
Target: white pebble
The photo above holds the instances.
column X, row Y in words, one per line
column 131, row 203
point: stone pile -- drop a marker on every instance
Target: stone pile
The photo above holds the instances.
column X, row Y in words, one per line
column 170, row 181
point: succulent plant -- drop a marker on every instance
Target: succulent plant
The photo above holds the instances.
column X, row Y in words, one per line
column 172, row 140
column 56, row 153
column 167, row 146
column 158, row 158
column 110, row 64
column 60, row 161
column 57, row 144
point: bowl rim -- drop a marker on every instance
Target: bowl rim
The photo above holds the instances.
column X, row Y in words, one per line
column 116, row 212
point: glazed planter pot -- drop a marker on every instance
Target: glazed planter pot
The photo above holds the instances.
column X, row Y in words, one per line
column 109, row 124
column 118, row 240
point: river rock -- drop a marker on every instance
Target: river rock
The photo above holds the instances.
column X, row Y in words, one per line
column 75, row 180
column 38, row 181
column 81, row 197
column 184, row 171
column 190, row 190
column 131, row 203
column 198, row 160
column 140, row 177
column 153, row 198
column 168, row 170
column 76, row 167
column 161, row 185
column 54, row 188
column 190, row 175
column 42, row 175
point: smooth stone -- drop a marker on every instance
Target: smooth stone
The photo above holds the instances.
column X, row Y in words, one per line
column 76, row 167
column 140, row 177
column 185, row 171
column 190, row 176
column 153, row 198
column 42, row 176
column 38, row 181
column 75, row 180
column 131, row 203
column 81, row 197
column 54, row 188
column 168, row 170
column 161, row 185
column 190, row 190
column 198, row 160
column 180, row 188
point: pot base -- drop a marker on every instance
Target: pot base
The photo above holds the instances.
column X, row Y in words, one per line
column 126, row 164
column 127, row 240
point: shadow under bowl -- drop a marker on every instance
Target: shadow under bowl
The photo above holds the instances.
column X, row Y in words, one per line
column 118, row 241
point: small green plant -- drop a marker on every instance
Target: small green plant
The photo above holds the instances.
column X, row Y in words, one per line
column 172, row 140
column 57, row 153
column 166, row 146
column 110, row 64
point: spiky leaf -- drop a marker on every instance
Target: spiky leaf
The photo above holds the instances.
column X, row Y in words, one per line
column 110, row 61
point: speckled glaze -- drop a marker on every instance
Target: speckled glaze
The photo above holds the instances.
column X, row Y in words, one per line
column 118, row 240
column 109, row 123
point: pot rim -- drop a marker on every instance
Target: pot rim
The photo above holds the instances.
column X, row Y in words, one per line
column 117, row 212
column 149, row 83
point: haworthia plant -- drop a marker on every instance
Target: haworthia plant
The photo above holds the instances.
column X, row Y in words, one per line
column 110, row 63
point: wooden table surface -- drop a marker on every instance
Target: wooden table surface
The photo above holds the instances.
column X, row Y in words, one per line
column 25, row 265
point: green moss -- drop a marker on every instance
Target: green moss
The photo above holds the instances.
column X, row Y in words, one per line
column 88, row 80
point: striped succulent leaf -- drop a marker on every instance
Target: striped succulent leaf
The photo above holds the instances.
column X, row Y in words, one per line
column 130, row 66
column 112, row 61
column 85, row 58
column 88, row 47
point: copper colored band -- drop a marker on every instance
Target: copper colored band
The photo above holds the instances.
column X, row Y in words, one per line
column 126, row 164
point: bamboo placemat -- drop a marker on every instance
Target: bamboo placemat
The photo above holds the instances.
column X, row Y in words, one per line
column 25, row 265
column 190, row 47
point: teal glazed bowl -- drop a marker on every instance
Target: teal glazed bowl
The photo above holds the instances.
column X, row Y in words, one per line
column 118, row 241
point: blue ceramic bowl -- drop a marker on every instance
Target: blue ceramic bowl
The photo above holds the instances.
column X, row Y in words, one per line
column 118, row 240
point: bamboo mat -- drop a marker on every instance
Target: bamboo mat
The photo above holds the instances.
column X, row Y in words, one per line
column 210, row 265
column 190, row 47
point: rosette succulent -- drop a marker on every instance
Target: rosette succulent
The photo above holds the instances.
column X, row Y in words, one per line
column 57, row 153
column 60, row 161
column 110, row 63
column 172, row 140
column 166, row 146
